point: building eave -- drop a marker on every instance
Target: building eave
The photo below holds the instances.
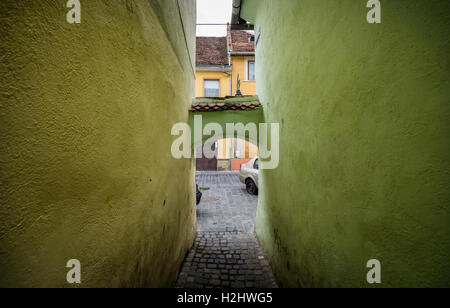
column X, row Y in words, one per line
column 237, row 22
column 242, row 53
column 213, row 68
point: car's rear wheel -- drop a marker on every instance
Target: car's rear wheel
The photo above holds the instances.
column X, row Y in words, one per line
column 251, row 187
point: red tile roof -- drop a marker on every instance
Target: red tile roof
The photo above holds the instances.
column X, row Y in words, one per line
column 241, row 41
column 225, row 105
column 212, row 51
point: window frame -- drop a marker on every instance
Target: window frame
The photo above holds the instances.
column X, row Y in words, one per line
column 204, row 87
column 248, row 70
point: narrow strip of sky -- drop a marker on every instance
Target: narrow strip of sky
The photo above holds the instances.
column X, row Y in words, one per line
column 213, row 12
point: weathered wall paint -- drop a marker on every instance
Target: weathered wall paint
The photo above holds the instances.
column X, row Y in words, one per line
column 86, row 170
column 365, row 123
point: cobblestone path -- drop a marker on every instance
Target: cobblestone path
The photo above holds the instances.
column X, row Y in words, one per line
column 226, row 253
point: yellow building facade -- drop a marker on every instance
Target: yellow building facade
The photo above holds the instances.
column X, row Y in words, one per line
column 220, row 63
column 227, row 77
column 223, row 78
column 240, row 67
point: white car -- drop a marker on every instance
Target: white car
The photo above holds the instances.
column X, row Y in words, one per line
column 249, row 175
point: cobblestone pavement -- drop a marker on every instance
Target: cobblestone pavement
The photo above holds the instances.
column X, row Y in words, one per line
column 225, row 205
column 225, row 254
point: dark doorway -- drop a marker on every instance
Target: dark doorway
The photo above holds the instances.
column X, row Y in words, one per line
column 204, row 163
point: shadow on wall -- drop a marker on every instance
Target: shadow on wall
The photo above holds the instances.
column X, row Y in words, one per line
column 82, row 180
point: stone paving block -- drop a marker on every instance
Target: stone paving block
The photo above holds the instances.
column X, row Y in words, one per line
column 226, row 206
column 237, row 276
column 225, row 253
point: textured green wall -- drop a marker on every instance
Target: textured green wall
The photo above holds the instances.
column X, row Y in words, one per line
column 365, row 123
column 86, row 170
column 223, row 118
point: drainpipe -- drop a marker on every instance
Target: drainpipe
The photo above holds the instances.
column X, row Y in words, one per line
column 231, row 75
column 231, row 84
column 229, row 48
column 231, row 80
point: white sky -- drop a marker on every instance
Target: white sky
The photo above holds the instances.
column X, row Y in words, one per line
column 213, row 11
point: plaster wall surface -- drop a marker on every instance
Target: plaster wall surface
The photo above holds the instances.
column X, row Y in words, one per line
column 222, row 119
column 239, row 67
column 364, row 167
column 224, row 82
column 86, row 170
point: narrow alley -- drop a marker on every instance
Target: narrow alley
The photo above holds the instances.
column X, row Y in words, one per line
column 336, row 112
column 226, row 252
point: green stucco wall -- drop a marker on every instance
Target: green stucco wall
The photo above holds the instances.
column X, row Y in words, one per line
column 223, row 118
column 86, row 170
column 364, row 152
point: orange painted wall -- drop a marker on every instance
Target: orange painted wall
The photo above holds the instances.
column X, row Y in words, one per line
column 236, row 163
